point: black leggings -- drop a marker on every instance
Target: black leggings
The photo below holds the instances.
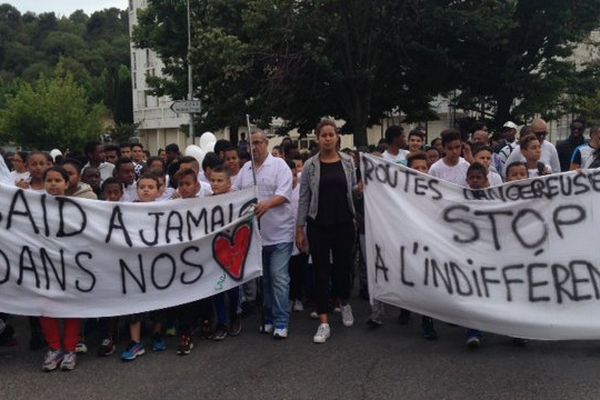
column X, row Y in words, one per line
column 337, row 240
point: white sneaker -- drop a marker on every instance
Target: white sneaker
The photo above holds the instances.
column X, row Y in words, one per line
column 267, row 328
column 280, row 333
column 347, row 317
column 298, row 306
column 323, row 333
column 81, row 348
column 314, row 315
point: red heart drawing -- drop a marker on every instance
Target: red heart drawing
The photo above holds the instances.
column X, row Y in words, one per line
column 230, row 252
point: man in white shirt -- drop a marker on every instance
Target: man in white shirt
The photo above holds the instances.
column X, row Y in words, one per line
column 94, row 152
column 274, row 211
column 549, row 154
column 452, row 168
column 394, row 137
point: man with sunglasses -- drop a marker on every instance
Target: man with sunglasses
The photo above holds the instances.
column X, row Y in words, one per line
column 565, row 148
column 549, row 153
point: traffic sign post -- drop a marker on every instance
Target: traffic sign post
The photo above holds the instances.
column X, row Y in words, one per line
column 186, row 106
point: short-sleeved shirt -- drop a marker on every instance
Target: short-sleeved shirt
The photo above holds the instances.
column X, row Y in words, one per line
column 105, row 169
column 549, row 157
column 494, row 178
column 399, row 158
column 456, row 174
column 583, row 156
column 273, row 178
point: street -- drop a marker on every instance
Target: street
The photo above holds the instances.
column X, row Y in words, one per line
column 390, row 362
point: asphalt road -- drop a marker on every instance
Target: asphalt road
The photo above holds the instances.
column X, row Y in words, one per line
column 391, row 362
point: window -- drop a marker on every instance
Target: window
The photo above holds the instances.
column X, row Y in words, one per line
column 130, row 5
column 134, row 60
column 147, row 58
column 134, row 80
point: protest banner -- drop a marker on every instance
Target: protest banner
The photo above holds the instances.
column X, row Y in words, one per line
column 519, row 259
column 67, row 257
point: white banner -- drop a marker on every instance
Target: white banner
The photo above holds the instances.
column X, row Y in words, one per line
column 67, row 257
column 519, row 259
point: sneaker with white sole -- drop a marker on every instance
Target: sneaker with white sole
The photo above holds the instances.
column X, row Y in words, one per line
column 314, row 315
column 347, row 317
column 298, row 306
column 69, row 362
column 323, row 333
column 52, row 360
column 267, row 328
column 280, row 332
column 81, row 347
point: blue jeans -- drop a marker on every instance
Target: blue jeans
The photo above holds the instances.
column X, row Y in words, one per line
column 276, row 283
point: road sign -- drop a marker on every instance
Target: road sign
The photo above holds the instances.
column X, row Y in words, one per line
column 186, row 106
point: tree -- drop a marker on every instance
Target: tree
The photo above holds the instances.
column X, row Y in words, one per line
column 52, row 113
column 296, row 60
column 515, row 61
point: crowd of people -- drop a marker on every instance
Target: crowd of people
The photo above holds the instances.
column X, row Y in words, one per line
column 311, row 212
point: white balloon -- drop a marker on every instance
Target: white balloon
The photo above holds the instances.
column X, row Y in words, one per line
column 194, row 151
column 54, row 153
column 205, row 141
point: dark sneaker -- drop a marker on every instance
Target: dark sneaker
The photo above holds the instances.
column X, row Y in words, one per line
column 185, row 345
column 159, row 343
column 236, row 325
column 473, row 342
column 206, row 329
column 69, row 362
column 107, row 347
column 220, row 333
column 374, row 322
column 134, row 350
column 52, row 360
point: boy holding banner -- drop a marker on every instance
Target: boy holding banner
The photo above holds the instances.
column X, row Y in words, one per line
column 451, row 168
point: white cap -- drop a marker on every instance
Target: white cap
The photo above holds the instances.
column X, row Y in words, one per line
column 510, row 124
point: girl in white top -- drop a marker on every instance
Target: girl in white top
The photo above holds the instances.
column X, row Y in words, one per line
column 37, row 164
column 20, row 172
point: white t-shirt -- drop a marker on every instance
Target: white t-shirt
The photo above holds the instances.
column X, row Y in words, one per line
column 456, row 174
column 273, row 178
column 494, row 178
column 549, row 157
column 532, row 173
column 205, row 189
column 16, row 177
column 130, row 193
column 399, row 158
column 105, row 168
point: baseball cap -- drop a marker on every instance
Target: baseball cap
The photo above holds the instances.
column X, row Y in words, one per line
column 510, row 125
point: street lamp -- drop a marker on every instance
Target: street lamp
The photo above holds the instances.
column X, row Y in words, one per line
column 189, row 60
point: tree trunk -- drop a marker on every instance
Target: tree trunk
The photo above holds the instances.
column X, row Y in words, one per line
column 234, row 134
column 503, row 111
column 359, row 130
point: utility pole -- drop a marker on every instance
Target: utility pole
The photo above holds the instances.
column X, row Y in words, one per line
column 189, row 60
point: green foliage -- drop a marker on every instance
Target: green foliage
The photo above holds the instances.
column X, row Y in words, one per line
column 93, row 49
column 358, row 60
column 52, row 112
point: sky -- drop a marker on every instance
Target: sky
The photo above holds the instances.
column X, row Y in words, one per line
column 65, row 7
